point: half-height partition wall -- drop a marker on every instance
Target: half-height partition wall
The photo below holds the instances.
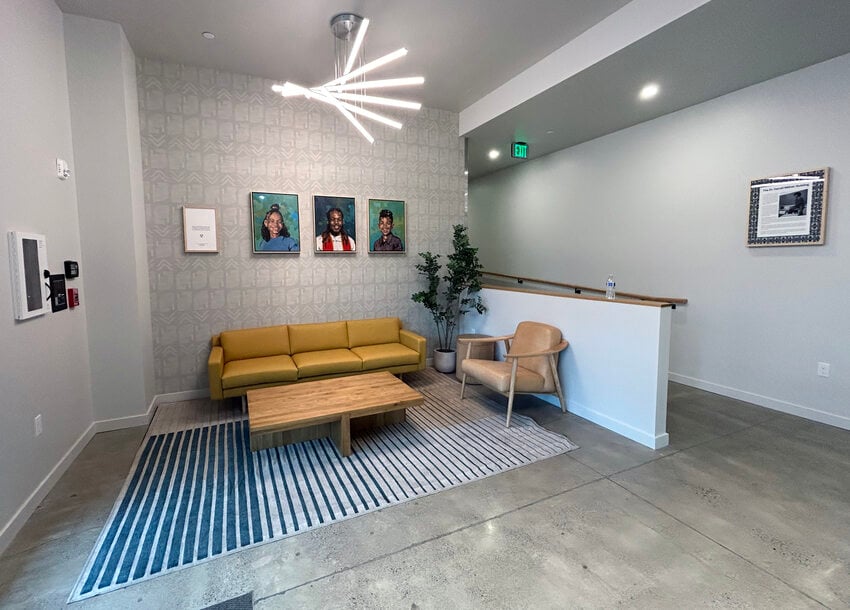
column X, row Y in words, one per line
column 614, row 372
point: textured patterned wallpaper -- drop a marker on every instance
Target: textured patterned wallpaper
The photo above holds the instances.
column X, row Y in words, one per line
column 209, row 138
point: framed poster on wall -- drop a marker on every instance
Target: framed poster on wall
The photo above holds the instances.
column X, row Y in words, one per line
column 275, row 226
column 334, row 223
column 788, row 210
column 200, row 230
column 386, row 225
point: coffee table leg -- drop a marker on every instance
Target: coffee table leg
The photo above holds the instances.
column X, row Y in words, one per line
column 341, row 433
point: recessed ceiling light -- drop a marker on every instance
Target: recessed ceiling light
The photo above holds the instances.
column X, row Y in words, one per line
column 550, row 131
column 466, row 172
column 649, row 91
column 493, row 154
column 208, row 35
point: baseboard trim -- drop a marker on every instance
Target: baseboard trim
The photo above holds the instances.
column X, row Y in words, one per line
column 647, row 439
column 14, row 525
column 782, row 406
column 161, row 399
column 143, row 419
column 119, row 423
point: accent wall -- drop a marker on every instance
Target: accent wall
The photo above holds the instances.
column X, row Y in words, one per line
column 210, row 138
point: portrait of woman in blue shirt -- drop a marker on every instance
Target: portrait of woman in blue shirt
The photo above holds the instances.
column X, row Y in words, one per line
column 275, row 234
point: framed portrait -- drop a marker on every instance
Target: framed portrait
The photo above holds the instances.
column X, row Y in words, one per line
column 386, row 226
column 274, row 223
column 788, row 210
column 334, row 223
column 200, row 229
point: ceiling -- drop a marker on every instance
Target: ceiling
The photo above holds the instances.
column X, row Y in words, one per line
column 463, row 48
column 720, row 47
column 466, row 49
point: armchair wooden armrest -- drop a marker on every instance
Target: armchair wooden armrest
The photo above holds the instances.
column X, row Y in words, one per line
column 505, row 338
column 488, row 339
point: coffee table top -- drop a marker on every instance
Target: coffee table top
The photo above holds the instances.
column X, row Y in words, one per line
column 311, row 402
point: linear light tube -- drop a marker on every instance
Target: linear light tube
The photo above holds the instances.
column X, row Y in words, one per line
column 371, row 115
column 324, row 94
column 372, row 99
column 361, row 33
column 328, row 98
column 379, row 84
column 288, row 89
column 370, row 66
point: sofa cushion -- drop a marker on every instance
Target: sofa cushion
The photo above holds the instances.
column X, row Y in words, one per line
column 253, row 371
column 255, row 342
column 317, row 337
column 373, row 332
column 387, row 355
column 326, row 362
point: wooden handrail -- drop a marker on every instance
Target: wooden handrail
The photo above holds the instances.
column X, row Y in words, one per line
column 579, row 289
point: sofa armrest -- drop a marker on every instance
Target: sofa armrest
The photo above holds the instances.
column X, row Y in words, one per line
column 415, row 342
column 215, row 369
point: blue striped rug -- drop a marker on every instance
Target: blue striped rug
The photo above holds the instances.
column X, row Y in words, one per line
column 200, row 493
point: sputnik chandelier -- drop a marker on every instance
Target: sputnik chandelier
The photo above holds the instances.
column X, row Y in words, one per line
column 345, row 91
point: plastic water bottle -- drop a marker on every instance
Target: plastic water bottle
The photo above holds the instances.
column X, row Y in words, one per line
column 609, row 287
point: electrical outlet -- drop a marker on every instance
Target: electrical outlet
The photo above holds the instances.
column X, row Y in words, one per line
column 823, row 369
column 37, row 425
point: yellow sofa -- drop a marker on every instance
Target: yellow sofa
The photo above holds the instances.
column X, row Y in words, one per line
column 250, row 358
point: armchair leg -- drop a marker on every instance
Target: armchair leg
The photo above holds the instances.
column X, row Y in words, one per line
column 511, row 393
column 462, row 385
column 554, row 366
column 510, row 408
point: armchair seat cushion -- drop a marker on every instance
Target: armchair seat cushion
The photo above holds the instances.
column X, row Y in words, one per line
column 327, row 362
column 497, row 375
column 254, row 371
column 385, row 355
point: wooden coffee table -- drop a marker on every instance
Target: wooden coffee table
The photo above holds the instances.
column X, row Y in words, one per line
column 330, row 407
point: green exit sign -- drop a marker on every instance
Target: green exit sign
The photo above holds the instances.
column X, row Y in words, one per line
column 519, row 150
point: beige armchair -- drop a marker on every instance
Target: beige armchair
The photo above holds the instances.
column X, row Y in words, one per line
column 530, row 366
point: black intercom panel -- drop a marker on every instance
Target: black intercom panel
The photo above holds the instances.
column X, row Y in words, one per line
column 58, row 297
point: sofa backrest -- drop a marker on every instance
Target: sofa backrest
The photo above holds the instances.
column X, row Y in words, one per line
column 255, row 342
column 315, row 337
column 373, row 332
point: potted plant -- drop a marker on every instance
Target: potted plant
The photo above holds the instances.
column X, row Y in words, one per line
column 459, row 293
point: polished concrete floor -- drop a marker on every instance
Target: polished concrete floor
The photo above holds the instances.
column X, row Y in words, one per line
column 747, row 507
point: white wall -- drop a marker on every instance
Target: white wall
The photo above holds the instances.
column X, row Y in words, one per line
column 664, row 204
column 44, row 365
column 107, row 149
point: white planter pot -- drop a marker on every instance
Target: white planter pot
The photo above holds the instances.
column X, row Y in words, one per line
column 444, row 360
